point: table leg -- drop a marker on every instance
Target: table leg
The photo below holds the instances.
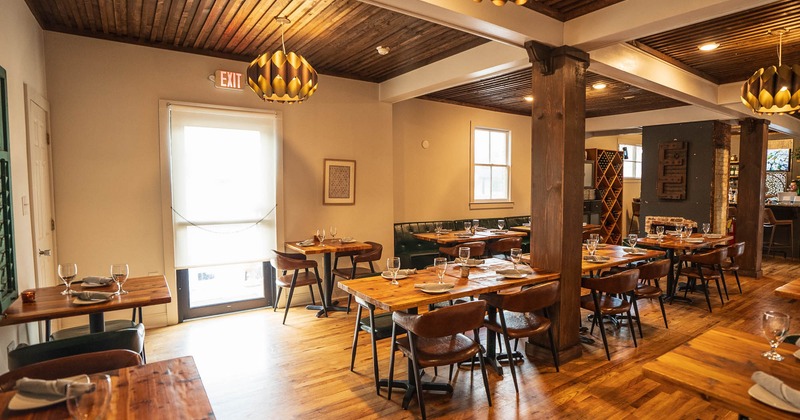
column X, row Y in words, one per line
column 327, row 288
column 96, row 323
column 491, row 344
column 672, row 282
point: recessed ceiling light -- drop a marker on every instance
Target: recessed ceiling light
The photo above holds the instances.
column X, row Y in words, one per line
column 382, row 50
column 529, row 98
column 710, row 46
column 628, row 97
column 599, row 85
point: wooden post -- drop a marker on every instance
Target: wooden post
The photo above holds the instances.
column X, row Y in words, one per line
column 559, row 112
column 750, row 207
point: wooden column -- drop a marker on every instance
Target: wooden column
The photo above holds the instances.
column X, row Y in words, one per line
column 559, row 112
column 750, row 207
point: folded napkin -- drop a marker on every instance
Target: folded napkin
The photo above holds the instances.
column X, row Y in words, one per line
column 513, row 272
column 652, row 236
column 445, row 230
column 307, row 242
column 528, row 224
column 499, row 230
column 94, row 295
column 404, row 271
column 348, row 239
column 694, row 240
column 480, row 229
column 97, row 280
column 595, row 258
column 434, row 286
column 55, row 387
column 777, row 388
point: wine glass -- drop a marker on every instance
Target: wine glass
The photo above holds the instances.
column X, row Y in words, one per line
column 516, row 256
column 501, row 223
column 119, row 272
column 660, row 232
column 67, row 272
column 393, row 265
column 89, row 400
column 591, row 246
column 332, row 231
column 595, row 237
column 321, row 236
column 463, row 254
column 775, row 326
column 437, row 227
column 467, row 225
column 681, row 231
column 632, row 240
column 440, row 264
column 706, row 228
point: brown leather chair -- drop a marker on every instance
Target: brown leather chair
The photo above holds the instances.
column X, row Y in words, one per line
column 523, row 314
column 435, row 339
column 502, row 247
column 368, row 256
column 602, row 303
column 734, row 251
column 704, row 267
column 301, row 276
column 648, row 287
column 476, row 249
column 773, row 224
column 86, row 363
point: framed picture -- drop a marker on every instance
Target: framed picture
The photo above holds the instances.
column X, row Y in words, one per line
column 339, row 183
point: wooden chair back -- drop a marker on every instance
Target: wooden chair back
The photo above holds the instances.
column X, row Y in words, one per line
column 370, row 255
column 715, row 257
column 503, row 245
column 528, row 300
column 476, row 249
column 654, row 270
column 444, row 322
column 623, row 282
column 736, row 250
column 287, row 261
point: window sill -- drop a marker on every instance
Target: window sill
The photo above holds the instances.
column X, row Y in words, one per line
column 491, row 205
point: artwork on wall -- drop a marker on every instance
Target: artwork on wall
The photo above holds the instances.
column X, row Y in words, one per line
column 339, row 182
column 778, row 160
column 672, row 166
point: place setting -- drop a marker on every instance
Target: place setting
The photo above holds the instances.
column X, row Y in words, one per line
column 515, row 273
column 86, row 396
column 67, row 272
column 440, row 268
column 770, row 389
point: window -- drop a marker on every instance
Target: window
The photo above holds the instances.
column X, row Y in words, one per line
column 632, row 161
column 8, row 271
column 491, row 166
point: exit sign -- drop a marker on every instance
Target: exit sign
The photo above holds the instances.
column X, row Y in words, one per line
column 224, row 79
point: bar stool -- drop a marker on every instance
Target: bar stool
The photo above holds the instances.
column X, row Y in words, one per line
column 771, row 222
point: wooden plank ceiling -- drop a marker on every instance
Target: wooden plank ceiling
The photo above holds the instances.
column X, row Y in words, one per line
column 507, row 93
column 565, row 10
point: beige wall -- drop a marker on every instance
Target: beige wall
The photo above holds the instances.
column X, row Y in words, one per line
column 631, row 188
column 104, row 100
column 22, row 56
column 433, row 183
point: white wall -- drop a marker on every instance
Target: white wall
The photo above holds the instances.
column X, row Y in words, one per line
column 22, row 56
column 104, row 102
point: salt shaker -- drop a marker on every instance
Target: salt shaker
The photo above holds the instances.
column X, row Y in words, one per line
column 464, row 271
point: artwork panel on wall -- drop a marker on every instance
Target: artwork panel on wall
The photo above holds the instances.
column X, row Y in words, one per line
column 339, row 182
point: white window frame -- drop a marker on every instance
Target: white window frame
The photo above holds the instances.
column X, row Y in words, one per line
column 489, row 203
column 635, row 158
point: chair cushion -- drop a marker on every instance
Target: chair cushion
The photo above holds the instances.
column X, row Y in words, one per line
column 440, row 351
column 303, row 279
column 383, row 326
column 648, row 291
column 730, row 267
column 609, row 305
column 518, row 324
column 111, row 325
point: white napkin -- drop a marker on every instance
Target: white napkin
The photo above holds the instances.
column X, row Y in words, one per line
column 513, row 272
column 97, row 280
column 777, row 388
column 55, row 387
column 596, row 258
column 404, row 271
column 307, row 242
column 94, row 295
column 434, row 286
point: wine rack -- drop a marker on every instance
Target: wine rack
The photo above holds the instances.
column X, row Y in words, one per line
column 608, row 182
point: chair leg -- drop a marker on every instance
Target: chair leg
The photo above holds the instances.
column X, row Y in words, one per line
column 392, row 350
column 483, row 368
column 321, row 295
column 311, row 290
column 630, row 319
column 705, row 291
column 355, row 339
column 633, row 333
column 509, row 354
column 736, row 274
column 415, row 372
column 374, row 351
column 638, row 319
column 720, row 292
column 599, row 317
column 663, row 312
column 349, row 302
column 553, row 347
column 724, row 284
column 277, row 299
column 288, row 303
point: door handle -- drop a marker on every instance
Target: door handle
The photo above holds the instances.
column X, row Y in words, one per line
column 45, row 252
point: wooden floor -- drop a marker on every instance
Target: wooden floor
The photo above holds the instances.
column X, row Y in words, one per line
column 254, row 367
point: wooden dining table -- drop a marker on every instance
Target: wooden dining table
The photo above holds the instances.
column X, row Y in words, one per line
column 169, row 389
column 717, row 365
column 51, row 304
column 789, row 290
column 327, row 248
column 617, row 255
column 461, row 236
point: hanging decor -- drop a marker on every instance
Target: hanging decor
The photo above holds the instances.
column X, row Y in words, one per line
column 503, row 2
column 282, row 76
column 774, row 90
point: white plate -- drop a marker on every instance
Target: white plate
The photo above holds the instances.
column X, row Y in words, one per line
column 78, row 301
column 387, row 275
column 31, row 401
column 435, row 290
column 694, row 240
column 514, row 276
column 302, row 244
column 797, row 354
column 758, row 392
column 348, row 241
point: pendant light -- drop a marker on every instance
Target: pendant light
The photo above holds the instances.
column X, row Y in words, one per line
column 774, row 90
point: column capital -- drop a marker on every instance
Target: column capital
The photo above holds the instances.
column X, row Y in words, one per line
column 545, row 55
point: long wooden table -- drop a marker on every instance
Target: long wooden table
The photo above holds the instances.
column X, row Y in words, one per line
column 789, row 290
column 450, row 238
column 616, row 256
column 717, row 365
column 169, row 389
column 51, row 304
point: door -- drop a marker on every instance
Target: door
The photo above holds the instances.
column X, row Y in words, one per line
column 41, row 193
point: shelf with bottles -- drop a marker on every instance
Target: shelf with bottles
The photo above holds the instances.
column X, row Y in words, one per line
column 733, row 169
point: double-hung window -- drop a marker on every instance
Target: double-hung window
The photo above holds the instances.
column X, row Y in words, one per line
column 631, row 161
column 491, row 166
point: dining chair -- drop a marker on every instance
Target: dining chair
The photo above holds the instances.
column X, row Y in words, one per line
column 501, row 248
column 648, row 287
column 378, row 327
column 734, row 251
column 602, row 301
column 369, row 257
column 301, row 276
column 128, row 339
column 476, row 249
column 703, row 267
column 436, row 339
column 63, row 367
column 110, row 325
column 523, row 314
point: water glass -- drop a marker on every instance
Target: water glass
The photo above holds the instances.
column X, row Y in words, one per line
column 440, row 264
column 463, row 254
column 119, row 272
column 595, row 237
column 437, row 227
column 632, row 240
column 92, row 404
column 516, row 256
column 706, row 228
column 660, row 232
column 333, row 231
column 467, row 225
column 681, row 231
column 501, row 223
column 775, row 326
column 67, row 272
column 321, row 236
column 393, row 265
column 591, row 246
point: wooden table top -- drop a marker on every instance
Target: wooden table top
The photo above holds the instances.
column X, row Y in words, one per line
column 789, row 290
column 330, row 246
column 616, row 254
column 673, row 242
column 483, row 279
column 170, row 389
column 451, row 238
column 51, row 304
column 717, row 365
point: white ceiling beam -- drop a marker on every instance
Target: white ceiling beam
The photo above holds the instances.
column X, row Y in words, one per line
column 649, row 118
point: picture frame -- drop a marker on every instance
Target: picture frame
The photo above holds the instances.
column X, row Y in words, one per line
column 339, row 182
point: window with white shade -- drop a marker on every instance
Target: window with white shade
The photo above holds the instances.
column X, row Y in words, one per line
column 631, row 161
column 491, row 166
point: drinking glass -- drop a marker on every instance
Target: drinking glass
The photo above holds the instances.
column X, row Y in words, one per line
column 119, row 272
column 91, row 404
column 463, row 254
column 591, row 246
column 440, row 264
column 681, row 231
column 775, row 326
column 437, row 227
column 332, row 231
column 67, row 272
column 467, row 225
column 516, row 256
column 706, row 228
column 393, row 265
column 321, row 236
column 660, row 232
column 632, row 240
column 501, row 223
column 475, row 225
column 595, row 237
